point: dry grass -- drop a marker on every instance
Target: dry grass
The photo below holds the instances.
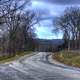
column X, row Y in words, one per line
column 5, row 59
column 68, row 57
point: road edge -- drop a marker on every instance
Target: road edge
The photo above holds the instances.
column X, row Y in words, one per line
column 61, row 65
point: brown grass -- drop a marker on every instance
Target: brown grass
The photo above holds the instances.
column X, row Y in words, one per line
column 5, row 59
column 68, row 58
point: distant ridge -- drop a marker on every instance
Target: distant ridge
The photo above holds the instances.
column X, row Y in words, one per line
column 52, row 41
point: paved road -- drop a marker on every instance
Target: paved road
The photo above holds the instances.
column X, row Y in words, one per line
column 36, row 67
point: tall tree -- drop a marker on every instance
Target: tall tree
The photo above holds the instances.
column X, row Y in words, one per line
column 17, row 22
column 69, row 23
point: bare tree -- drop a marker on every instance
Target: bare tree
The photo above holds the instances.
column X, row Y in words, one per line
column 69, row 23
column 16, row 23
column 26, row 30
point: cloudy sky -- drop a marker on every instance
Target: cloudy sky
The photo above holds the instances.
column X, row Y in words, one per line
column 49, row 9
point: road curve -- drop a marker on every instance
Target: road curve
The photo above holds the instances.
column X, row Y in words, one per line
column 36, row 67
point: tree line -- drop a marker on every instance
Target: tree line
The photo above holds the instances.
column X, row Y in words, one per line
column 69, row 24
column 16, row 27
column 17, row 31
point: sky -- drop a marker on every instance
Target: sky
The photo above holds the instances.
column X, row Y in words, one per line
column 49, row 10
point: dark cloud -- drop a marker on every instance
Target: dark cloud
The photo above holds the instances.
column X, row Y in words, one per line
column 49, row 10
column 64, row 2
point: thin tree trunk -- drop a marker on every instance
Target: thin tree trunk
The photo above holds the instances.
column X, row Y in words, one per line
column 69, row 45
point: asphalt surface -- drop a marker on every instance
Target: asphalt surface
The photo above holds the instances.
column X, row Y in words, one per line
column 36, row 67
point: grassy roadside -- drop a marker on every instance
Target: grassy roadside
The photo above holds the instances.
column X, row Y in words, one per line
column 5, row 59
column 68, row 58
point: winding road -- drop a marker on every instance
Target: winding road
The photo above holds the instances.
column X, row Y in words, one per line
column 37, row 67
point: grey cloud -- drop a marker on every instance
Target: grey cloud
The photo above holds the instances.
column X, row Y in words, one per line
column 63, row 2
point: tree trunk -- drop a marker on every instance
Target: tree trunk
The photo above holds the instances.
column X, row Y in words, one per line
column 69, row 45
